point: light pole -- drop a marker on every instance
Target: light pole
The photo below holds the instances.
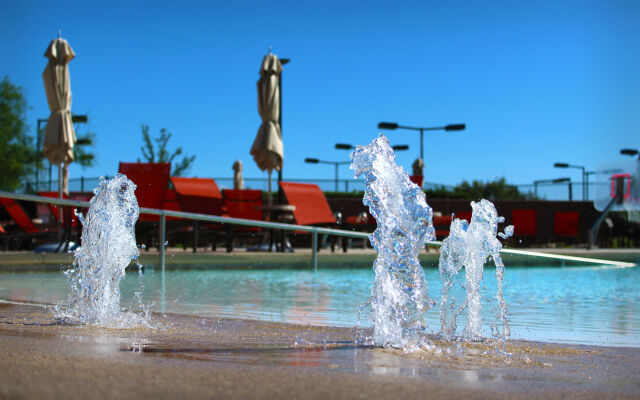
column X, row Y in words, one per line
column 393, row 126
column 565, row 165
column 335, row 163
column 283, row 62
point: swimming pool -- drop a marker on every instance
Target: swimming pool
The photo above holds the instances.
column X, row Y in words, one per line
column 587, row 305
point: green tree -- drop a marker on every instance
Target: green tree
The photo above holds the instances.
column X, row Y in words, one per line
column 17, row 152
column 161, row 154
column 498, row 189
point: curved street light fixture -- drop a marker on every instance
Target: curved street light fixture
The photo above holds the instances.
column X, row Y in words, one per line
column 630, row 152
column 346, row 146
column 394, row 125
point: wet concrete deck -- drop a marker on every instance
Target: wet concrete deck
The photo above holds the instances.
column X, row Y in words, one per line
column 193, row 357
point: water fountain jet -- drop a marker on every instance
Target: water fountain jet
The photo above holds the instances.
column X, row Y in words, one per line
column 469, row 245
column 399, row 296
column 108, row 246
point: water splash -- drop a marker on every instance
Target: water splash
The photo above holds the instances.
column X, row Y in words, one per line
column 469, row 245
column 108, row 246
column 399, row 296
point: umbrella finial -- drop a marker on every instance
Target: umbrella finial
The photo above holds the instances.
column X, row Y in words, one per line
column 59, row 33
column 269, row 49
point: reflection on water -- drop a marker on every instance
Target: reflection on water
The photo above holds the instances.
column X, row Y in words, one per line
column 591, row 305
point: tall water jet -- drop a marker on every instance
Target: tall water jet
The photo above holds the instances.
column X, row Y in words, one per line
column 469, row 245
column 399, row 296
column 108, row 246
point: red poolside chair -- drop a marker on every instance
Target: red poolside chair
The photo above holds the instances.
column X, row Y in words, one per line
column 312, row 207
column 199, row 195
column 55, row 210
column 27, row 231
column 151, row 181
column 170, row 203
column 202, row 196
column 15, row 211
column 243, row 204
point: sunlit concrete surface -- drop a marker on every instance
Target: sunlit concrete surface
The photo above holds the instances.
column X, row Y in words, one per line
column 194, row 357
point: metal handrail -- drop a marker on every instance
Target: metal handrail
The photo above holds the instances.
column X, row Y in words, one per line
column 204, row 217
column 279, row 225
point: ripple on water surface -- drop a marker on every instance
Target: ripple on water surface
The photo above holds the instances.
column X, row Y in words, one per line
column 590, row 305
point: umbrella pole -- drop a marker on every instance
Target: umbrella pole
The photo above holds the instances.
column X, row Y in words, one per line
column 60, row 180
column 60, row 208
column 269, row 202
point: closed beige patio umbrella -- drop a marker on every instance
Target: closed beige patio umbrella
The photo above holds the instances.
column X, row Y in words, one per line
column 59, row 136
column 267, row 149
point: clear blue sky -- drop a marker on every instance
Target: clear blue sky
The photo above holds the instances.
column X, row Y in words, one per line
column 535, row 82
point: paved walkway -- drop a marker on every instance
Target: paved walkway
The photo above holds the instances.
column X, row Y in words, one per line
column 188, row 357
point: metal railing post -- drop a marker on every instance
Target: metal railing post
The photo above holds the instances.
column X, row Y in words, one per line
column 162, row 240
column 314, row 249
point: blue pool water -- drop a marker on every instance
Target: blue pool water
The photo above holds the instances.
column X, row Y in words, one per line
column 588, row 305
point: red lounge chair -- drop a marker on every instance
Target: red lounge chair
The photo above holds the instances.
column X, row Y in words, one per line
column 202, row 196
column 15, row 210
column 55, row 211
column 243, row 204
column 199, row 195
column 28, row 232
column 312, row 207
column 151, row 181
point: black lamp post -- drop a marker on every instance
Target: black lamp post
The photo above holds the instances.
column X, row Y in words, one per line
column 334, row 163
column 565, row 165
column 394, row 126
column 283, row 62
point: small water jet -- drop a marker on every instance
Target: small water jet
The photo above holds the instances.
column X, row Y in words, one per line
column 399, row 296
column 469, row 245
column 108, row 246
